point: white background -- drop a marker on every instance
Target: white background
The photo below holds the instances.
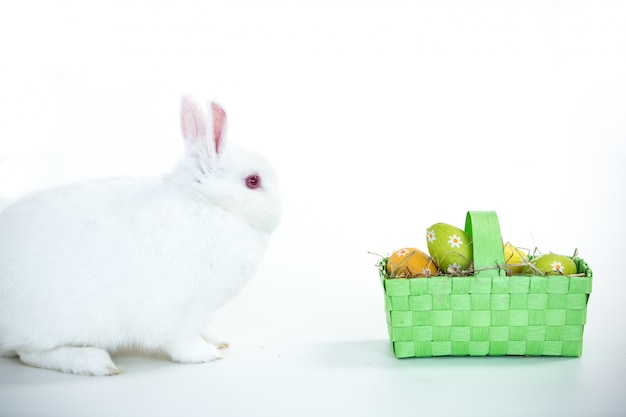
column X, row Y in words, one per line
column 382, row 117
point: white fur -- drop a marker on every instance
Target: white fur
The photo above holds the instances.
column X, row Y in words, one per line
column 141, row 263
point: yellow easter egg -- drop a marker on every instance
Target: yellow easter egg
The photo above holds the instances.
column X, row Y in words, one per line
column 514, row 258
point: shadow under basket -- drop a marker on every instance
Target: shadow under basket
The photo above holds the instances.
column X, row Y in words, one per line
column 488, row 313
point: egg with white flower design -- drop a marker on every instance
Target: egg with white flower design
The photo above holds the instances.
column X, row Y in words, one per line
column 552, row 264
column 410, row 263
column 450, row 247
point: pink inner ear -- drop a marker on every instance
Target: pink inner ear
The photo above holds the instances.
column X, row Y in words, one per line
column 192, row 121
column 219, row 121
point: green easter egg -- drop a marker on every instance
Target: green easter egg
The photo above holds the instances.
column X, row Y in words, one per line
column 450, row 247
column 552, row 264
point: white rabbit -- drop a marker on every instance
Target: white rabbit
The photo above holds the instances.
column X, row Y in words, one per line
column 140, row 263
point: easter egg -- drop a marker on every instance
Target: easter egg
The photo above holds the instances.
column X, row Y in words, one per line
column 450, row 247
column 552, row 264
column 513, row 257
column 410, row 263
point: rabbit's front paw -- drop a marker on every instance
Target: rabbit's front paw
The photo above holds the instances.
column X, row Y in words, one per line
column 216, row 338
column 193, row 351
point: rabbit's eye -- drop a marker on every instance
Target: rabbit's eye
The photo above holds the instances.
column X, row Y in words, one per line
column 253, row 181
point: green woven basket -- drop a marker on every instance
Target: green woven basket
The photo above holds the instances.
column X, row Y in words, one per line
column 487, row 313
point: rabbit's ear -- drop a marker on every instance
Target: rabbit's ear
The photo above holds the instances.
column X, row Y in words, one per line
column 219, row 126
column 193, row 122
column 199, row 131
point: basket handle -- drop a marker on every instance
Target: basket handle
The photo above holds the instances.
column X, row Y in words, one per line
column 484, row 229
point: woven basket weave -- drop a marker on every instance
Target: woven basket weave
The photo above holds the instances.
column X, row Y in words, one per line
column 487, row 313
